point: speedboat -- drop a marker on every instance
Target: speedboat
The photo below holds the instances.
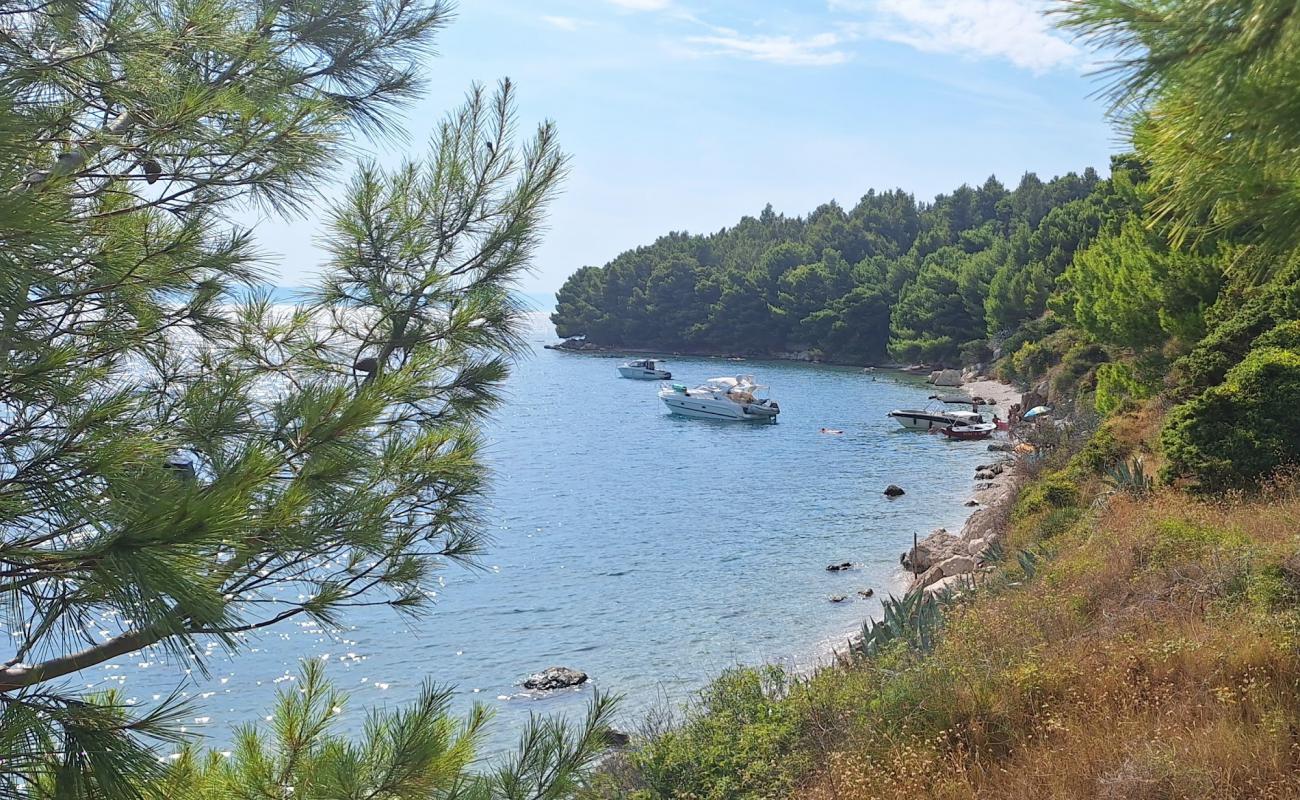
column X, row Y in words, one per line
column 647, row 369
column 981, row 430
column 721, row 399
column 938, row 414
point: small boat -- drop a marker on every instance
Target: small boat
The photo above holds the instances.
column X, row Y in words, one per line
column 937, row 415
column 647, row 369
column 982, row 430
column 721, row 399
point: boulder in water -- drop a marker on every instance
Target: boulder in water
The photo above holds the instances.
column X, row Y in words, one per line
column 555, row 678
column 894, row 490
column 839, row 567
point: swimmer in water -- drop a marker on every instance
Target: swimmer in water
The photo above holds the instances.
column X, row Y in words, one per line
column 831, row 431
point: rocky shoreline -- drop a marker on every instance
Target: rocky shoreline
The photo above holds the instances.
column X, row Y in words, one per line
column 807, row 356
column 946, row 561
column 952, row 560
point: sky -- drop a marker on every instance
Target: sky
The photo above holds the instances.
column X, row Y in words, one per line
column 689, row 114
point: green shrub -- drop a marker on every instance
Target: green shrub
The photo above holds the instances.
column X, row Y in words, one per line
column 1233, row 435
column 1180, row 541
column 1077, row 367
column 1051, row 491
column 1098, row 454
column 1285, row 337
column 1116, row 383
column 975, row 352
column 1031, row 360
column 1058, row 521
column 1239, row 323
column 741, row 740
column 1268, row 589
column 1032, row 331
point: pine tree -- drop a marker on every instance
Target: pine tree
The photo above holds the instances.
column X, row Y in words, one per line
column 1209, row 89
column 183, row 462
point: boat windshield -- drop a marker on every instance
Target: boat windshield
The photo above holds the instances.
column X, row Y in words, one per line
column 741, row 387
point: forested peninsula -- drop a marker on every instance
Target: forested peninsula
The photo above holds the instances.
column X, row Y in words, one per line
column 891, row 278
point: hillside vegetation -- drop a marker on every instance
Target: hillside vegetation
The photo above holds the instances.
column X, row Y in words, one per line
column 1138, row 636
column 924, row 281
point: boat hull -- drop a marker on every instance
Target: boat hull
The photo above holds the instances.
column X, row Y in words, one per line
column 642, row 374
column 921, row 421
column 969, row 433
column 684, row 406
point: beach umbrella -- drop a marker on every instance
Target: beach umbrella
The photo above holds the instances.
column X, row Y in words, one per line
column 1037, row 410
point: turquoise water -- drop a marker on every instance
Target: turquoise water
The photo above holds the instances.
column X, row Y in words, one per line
column 648, row 550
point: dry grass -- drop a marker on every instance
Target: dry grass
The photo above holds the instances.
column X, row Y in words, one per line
column 1155, row 656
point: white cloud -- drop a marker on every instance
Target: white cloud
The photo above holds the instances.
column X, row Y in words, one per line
column 818, row 50
column 565, row 23
column 1015, row 30
column 641, row 5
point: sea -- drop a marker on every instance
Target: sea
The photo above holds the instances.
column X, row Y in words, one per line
column 650, row 551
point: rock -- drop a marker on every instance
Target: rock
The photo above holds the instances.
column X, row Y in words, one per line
column 1037, row 397
column 934, row 376
column 948, row 377
column 983, row 524
column 948, row 584
column 837, row 598
column 1002, row 447
column 931, row 550
column 983, row 486
column 555, row 678
column 894, row 490
column 616, row 738
column 866, row 592
column 931, row 575
column 839, row 567
column 976, row 547
column 957, row 565
column 970, row 503
column 577, row 345
column 984, row 475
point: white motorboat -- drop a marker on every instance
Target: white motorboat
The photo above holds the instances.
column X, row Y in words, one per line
column 937, row 415
column 647, row 369
column 721, row 399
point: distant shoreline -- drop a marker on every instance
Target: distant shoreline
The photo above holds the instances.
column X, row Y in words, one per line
column 804, row 356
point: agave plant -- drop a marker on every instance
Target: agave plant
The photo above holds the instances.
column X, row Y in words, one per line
column 1029, row 561
column 1130, row 477
column 914, row 619
column 994, row 553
